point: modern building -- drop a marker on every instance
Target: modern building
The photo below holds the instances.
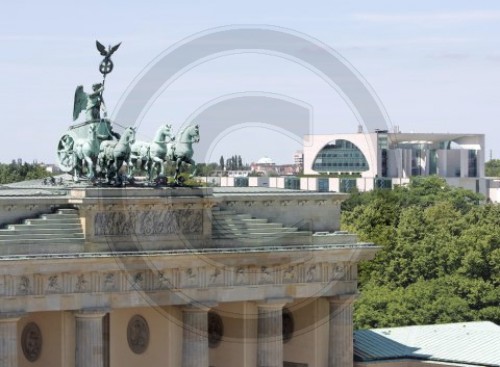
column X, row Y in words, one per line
column 383, row 159
column 122, row 277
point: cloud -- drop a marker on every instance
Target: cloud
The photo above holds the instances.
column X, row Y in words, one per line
column 430, row 18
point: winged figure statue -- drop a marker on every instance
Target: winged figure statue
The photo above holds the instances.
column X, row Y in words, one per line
column 92, row 102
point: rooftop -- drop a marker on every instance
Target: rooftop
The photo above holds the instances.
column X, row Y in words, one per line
column 469, row 343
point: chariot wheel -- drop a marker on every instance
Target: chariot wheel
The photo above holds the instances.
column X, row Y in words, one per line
column 66, row 154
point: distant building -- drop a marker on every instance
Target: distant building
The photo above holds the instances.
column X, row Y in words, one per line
column 396, row 155
column 238, row 173
column 383, row 158
column 266, row 167
column 298, row 158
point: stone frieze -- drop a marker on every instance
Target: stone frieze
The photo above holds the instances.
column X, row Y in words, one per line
column 148, row 223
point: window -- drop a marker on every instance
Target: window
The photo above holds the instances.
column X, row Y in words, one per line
column 343, row 154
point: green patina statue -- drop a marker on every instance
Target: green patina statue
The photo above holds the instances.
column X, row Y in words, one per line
column 92, row 103
column 92, row 150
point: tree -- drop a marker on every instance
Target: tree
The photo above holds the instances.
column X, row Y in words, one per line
column 492, row 168
column 221, row 163
column 439, row 257
column 18, row 171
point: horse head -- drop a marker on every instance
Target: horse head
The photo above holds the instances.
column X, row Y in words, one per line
column 128, row 136
column 194, row 133
column 165, row 134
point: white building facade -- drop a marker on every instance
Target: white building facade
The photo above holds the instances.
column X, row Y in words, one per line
column 383, row 158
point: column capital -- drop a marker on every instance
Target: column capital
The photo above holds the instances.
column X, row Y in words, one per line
column 11, row 316
column 201, row 306
column 91, row 312
column 273, row 303
column 343, row 298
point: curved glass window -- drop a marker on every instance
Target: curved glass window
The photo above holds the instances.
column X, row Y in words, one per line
column 340, row 156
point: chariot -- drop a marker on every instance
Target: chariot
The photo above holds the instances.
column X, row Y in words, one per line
column 93, row 151
column 66, row 148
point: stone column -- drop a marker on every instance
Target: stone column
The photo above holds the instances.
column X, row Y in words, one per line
column 8, row 340
column 195, row 336
column 340, row 347
column 270, row 334
column 89, row 338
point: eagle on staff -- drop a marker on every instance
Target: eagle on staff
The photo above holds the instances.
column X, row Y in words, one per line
column 106, row 65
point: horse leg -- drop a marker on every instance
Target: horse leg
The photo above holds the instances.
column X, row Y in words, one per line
column 109, row 164
column 177, row 169
column 76, row 176
column 90, row 168
column 118, row 165
column 131, row 166
column 150, row 169
column 162, row 167
column 193, row 165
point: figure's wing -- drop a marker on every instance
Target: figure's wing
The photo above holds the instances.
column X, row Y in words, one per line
column 114, row 48
column 101, row 48
column 80, row 102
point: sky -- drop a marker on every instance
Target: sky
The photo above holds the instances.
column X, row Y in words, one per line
column 433, row 66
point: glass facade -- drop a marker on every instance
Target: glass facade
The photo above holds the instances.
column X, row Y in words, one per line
column 383, row 145
column 347, row 184
column 292, row 183
column 472, row 161
column 323, row 185
column 340, row 156
column 382, row 183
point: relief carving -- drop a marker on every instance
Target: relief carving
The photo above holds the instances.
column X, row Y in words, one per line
column 148, row 223
column 215, row 277
column 137, row 281
column 290, row 274
column 138, row 334
column 163, row 282
column 240, row 276
column 266, row 275
column 312, row 273
column 109, row 282
column 191, row 277
column 53, row 284
column 339, row 271
column 81, row 283
column 24, row 285
column 31, row 342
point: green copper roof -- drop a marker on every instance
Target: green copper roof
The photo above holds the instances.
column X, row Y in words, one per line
column 470, row 343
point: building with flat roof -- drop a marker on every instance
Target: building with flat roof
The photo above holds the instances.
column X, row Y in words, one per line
column 395, row 155
column 383, row 159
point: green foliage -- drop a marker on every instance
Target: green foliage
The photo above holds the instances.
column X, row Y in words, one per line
column 440, row 256
column 18, row 171
column 206, row 169
column 492, row 168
